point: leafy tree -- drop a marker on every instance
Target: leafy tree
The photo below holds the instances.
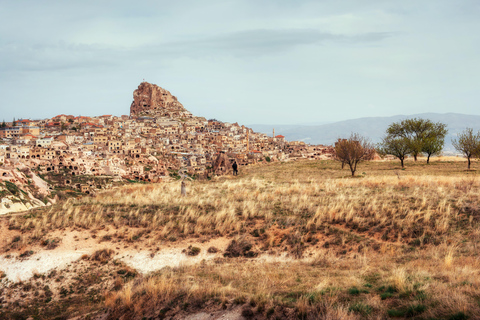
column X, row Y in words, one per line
column 435, row 140
column 353, row 150
column 397, row 146
column 422, row 135
column 4, row 125
column 468, row 144
column 14, row 123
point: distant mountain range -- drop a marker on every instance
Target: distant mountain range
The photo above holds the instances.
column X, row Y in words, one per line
column 371, row 127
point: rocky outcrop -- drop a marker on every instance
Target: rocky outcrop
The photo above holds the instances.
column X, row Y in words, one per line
column 221, row 165
column 21, row 190
column 152, row 100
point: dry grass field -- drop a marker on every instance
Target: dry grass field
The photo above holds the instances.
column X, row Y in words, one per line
column 305, row 240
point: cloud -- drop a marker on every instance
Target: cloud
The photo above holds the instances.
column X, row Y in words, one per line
column 265, row 41
column 61, row 56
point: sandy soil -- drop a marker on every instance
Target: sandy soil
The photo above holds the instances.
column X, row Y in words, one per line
column 74, row 244
column 18, row 269
column 235, row 314
column 170, row 256
column 13, row 207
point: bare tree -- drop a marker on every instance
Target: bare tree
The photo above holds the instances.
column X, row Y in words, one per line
column 468, row 144
column 353, row 150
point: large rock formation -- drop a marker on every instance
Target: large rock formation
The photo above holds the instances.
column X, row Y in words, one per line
column 151, row 100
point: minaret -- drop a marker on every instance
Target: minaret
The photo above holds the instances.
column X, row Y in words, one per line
column 248, row 140
column 273, row 132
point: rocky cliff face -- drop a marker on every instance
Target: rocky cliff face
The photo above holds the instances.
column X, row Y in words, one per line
column 21, row 190
column 151, row 100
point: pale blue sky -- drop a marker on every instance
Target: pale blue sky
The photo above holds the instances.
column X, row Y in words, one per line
column 273, row 62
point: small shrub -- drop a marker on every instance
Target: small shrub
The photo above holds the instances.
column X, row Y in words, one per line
column 63, row 291
column 239, row 248
column 458, row 316
column 270, row 311
column 193, row 251
column 51, row 244
column 415, row 310
column 127, row 272
column 239, row 300
column 11, row 187
column 26, row 253
column 386, row 295
column 354, row 291
column 363, row 309
column 102, row 255
column 118, row 284
column 247, row 312
column 396, row 313
column 212, row 250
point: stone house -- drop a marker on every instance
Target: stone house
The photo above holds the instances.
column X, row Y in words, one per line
column 23, row 152
column 33, row 130
column 44, row 142
column 66, row 138
column 89, row 146
column 100, row 140
column 115, row 146
column 12, row 132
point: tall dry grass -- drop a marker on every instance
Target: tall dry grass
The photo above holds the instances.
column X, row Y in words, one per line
column 341, row 288
column 419, row 208
column 403, row 244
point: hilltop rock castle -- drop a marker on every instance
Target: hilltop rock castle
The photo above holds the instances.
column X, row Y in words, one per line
column 151, row 100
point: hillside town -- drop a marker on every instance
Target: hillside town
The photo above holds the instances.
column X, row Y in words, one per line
column 159, row 140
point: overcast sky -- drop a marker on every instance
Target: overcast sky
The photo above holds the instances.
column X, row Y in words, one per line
column 271, row 62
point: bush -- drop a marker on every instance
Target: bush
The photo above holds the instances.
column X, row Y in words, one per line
column 193, row 251
column 11, row 187
column 212, row 250
column 363, row 309
column 415, row 310
column 239, row 248
column 102, row 255
column 458, row 316
column 26, row 253
column 51, row 244
column 354, row 291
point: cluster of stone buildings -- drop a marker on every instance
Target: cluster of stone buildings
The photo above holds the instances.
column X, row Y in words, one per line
column 158, row 138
